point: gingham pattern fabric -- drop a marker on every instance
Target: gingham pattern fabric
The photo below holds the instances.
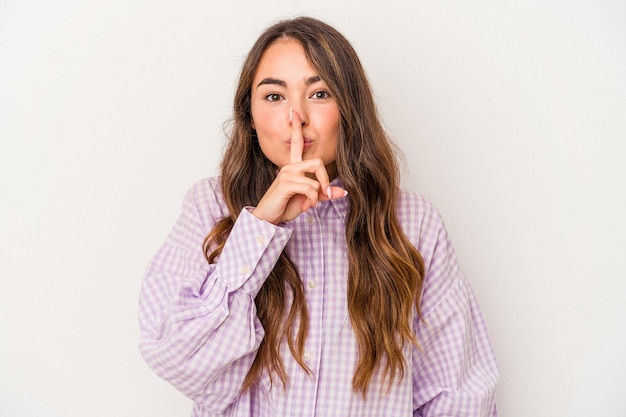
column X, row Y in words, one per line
column 200, row 332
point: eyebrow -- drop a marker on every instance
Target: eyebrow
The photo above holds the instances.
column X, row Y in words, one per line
column 274, row 81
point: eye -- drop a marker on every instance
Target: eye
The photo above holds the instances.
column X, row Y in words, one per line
column 273, row 97
column 320, row 95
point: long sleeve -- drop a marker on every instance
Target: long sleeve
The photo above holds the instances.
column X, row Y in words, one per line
column 199, row 328
column 455, row 371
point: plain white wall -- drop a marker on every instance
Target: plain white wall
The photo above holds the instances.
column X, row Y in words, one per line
column 511, row 115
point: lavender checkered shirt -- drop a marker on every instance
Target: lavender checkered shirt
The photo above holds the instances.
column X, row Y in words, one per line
column 200, row 332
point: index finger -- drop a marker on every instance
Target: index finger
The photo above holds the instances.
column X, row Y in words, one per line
column 297, row 141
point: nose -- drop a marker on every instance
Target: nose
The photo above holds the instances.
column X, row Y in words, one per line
column 301, row 112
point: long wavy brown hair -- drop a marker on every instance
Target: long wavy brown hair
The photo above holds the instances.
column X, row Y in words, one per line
column 385, row 269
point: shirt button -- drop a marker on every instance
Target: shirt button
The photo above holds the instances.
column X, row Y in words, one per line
column 312, row 285
column 245, row 269
column 310, row 219
column 260, row 240
column 306, row 355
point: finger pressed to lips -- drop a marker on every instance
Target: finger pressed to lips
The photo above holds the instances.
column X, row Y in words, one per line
column 313, row 166
column 297, row 140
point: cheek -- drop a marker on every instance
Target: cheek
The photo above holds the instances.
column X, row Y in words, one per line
column 332, row 122
column 269, row 133
column 265, row 122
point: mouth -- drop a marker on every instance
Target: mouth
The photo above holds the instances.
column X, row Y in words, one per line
column 307, row 143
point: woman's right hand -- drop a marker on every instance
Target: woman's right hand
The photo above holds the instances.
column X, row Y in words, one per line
column 299, row 185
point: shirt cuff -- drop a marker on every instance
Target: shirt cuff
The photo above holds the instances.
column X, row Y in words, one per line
column 251, row 252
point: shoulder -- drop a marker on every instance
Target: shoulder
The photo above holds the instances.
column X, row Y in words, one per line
column 425, row 228
column 205, row 189
column 205, row 199
column 410, row 200
column 418, row 216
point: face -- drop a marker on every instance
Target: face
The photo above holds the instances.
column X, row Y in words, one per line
column 286, row 80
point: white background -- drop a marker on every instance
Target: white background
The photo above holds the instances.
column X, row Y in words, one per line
column 511, row 116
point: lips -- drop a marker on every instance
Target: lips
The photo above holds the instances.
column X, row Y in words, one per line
column 306, row 145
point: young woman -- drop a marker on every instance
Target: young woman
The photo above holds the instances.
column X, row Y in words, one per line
column 303, row 281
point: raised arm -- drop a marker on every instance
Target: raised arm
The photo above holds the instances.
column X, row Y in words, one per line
column 199, row 328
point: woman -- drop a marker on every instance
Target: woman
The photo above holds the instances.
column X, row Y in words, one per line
column 303, row 281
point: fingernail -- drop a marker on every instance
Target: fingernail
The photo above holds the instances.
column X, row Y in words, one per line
column 329, row 193
column 345, row 193
column 290, row 114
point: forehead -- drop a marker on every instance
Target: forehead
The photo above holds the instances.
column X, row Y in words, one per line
column 284, row 58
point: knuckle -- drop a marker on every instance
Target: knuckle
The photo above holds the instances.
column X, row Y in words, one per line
column 281, row 175
column 286, row 171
